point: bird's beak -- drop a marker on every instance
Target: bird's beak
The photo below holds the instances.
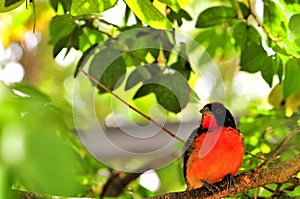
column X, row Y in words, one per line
column 206, row 111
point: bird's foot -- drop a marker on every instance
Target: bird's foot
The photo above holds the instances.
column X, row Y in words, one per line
column 212, row 188
column 230, row 180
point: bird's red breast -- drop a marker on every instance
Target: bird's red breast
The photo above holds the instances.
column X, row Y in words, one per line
column 216, row 149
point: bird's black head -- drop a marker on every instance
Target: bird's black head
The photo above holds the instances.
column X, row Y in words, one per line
column 222, row 115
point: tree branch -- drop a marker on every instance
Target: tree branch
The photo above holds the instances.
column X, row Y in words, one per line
column 278, row 148
column 116, row 183
column 279, row 173
column 130, row 106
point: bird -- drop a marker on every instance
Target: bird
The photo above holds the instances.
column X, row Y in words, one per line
column 214, row 150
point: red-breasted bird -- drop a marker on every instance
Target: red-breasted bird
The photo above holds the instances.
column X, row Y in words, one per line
column 214, row 150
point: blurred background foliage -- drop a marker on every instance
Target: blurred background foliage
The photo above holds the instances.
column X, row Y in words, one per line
column 254, row 45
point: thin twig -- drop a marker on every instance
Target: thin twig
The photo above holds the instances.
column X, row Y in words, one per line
column 269, row 35
column 130, row 106
column 255, row 156
column 278, row 148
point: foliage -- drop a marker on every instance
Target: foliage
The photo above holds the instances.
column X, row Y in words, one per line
column 231, row 27
column 49, row 158
column 37, row 145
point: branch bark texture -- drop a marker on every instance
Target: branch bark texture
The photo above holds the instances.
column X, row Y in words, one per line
column 278, row 173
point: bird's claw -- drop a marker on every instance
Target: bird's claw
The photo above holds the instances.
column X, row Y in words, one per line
column 211, row 187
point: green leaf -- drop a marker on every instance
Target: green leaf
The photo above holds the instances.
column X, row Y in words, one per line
column 142, row 74
column 194, row 98
column 268, row 69
column 8, row 5
column 274, row 20
column 145, row 90
column 239, row 35
column 253, row 58
column 291, row 81
column 216, row 41
column 149, row 14
column 178, row 16
column 62, row 43
column 175, row 170
column 68, row 42
column 81, row 7
column 245, row 35
column 50, row 165
column 294, row 24
column 109, row 67
column 183, row 65
column 66, row 5
column 245, row 10
column 215, row 16
column 32, row 132
column 33, row 93
column 253, row 36
column 278, row 67
column 171, row 90
column 167, row 99
column 89, row 37
column 60, row 27
column 84, row 58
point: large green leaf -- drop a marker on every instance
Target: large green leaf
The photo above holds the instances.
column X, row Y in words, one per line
column 33, row 145
column 291, row 81
column 81, row 7
column 253, row 36
column 148, row 13
column 274, row 20
column 64, row 33
column 294, row 24
column 109, row 67
column 68, row 41
column 8, row 5
column 142, row 74
column 49, row 166
column 245, row 35
column 171, row 90
column 215, row 16
column 269, row 69
column 239, row 35
column 217, row 41
column 145, row 90
column 60, row 27
column 253, row 58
